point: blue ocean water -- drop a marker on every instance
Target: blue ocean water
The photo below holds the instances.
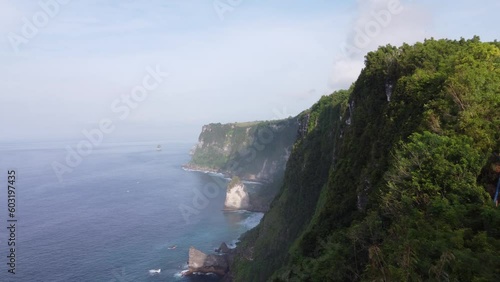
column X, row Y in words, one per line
column 114, row 217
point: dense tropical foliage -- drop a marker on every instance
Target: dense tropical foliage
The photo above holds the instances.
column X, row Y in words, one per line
column 392, row 180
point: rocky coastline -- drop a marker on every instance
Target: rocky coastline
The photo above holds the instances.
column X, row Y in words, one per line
column 200, row 263
column 217, row 263
column 196, row 168
column 244, row 201
column 254, row 166
column 250, row 179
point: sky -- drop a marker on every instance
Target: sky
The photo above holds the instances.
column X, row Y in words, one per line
column 159, row 70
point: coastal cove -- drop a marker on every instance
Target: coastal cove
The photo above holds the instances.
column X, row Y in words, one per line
column 116, row 216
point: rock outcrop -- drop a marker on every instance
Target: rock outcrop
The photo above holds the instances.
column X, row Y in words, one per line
column 237, row 197
column 223, row 249
column 199, row 262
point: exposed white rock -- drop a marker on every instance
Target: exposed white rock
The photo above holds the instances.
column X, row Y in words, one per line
column 237, row 197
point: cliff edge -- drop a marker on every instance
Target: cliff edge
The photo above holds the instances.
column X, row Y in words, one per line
column 253, row 151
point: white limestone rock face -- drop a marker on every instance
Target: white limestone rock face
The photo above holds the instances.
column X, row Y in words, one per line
column 237, row 197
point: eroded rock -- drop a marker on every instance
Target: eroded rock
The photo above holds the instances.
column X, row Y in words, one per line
column 237, row 198
column 199, row 262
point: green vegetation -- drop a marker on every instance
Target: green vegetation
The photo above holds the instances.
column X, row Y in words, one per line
column 213, row 150
column 392, row 179
column 234, row 181
column 247, row 124
column 255, row 151
column 252, row 150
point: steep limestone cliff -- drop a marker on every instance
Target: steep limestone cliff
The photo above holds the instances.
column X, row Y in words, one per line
column 251, row 151
column 389, row 181
column 254, row 151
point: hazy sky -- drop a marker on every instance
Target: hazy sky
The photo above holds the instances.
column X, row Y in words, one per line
column 66, row 65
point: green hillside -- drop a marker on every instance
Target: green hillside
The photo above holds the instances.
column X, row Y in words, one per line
column 391, row 180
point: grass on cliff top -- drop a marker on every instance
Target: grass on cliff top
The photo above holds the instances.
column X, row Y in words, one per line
column 234, row 181
column 247, row 124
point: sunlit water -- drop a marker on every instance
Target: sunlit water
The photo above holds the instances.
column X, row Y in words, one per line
column 114, row 217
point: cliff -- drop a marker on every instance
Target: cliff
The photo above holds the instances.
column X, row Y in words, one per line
column 251, row 151
column 391, row 180
column 254, row 151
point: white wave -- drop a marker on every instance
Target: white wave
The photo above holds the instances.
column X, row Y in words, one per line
column 236, row 211
column 218, row 174
column 180, row 274
column 192, row 169
column 155, row 271
column 184, row 272
column 252, row 182
column 244, row 181
column 233, row 243
column 253, row 220
column 204, row 274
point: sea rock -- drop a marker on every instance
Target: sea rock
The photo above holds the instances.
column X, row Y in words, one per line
column 199, row 262
column 237, row 197
column 223, row 249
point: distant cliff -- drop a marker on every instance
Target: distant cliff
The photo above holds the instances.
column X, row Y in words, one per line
column 253, row 151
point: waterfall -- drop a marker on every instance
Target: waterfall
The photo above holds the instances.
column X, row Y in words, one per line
column 351, row 110
column 388, row 90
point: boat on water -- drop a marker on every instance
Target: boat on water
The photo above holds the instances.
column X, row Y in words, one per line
column 172, row 247
column 155, row 271
column 158, row 148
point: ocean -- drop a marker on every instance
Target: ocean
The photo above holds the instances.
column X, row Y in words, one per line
column 114, row 217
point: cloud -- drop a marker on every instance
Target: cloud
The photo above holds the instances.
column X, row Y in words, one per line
column 92, row 26
column 262, row 57
column 9, row 17
column 234, row 73
column 10, row 21
column 344, row 72
column 377, row 23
